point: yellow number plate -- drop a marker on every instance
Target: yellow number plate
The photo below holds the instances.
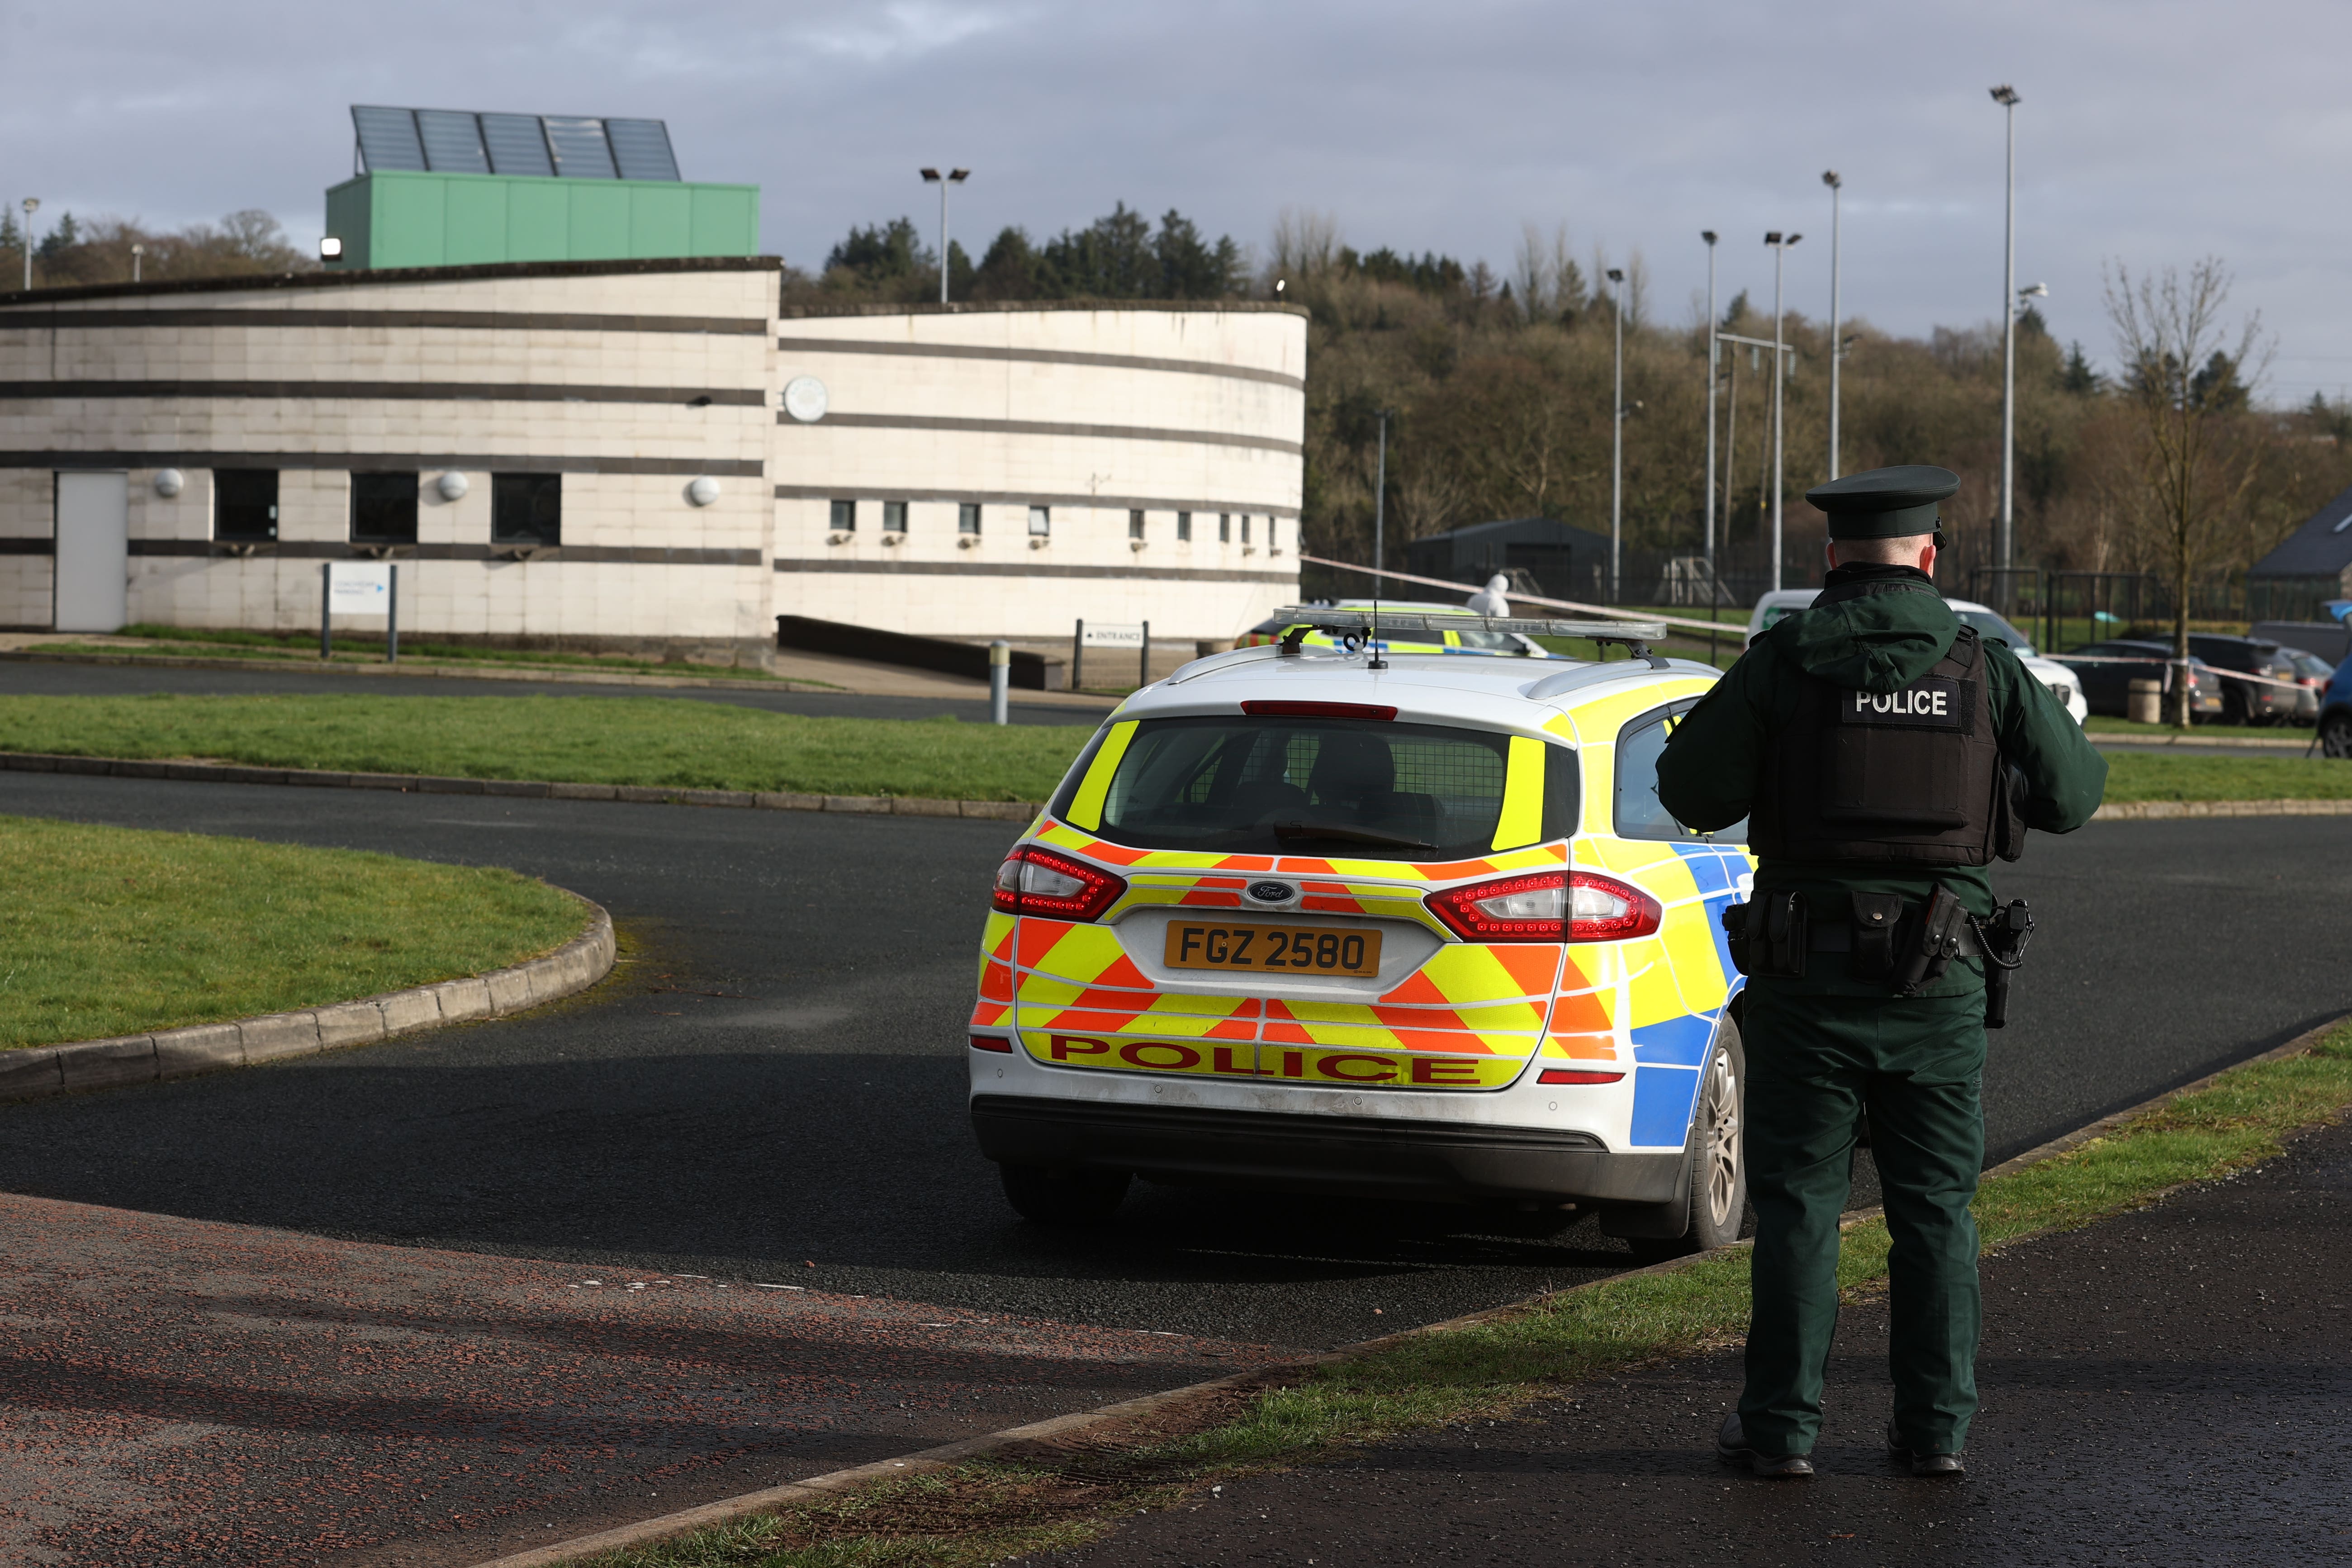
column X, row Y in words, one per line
column 1273, row 949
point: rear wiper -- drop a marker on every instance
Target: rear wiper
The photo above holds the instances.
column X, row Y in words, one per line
column 1346, row 835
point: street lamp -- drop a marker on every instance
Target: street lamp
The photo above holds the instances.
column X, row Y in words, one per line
column 1779, row 376
column 2006, row 96
column 1837, row 352
column 1379, row 503
column 137, row 252
column 1712, row 374
column 953, row 177
column 32, row 205
column 1617, row 439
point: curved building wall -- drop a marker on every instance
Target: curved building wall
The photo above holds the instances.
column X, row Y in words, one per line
column 629, row 381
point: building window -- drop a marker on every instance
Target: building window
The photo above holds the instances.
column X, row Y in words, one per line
column 894, row 517
column 527, row 508
column 384, row 509
column 1135, row 523
column 1224, row 528
column 1041, row 521
column 1269, row 535
column 968, row 517
column 844, row 517
column 245, row 504
column 1244, row 528
column 1183, row 528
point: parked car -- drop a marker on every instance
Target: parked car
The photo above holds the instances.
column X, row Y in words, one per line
column 2250, row 702
column 1781, row 603
column 2311, row 674
column 2336, row 712
column 2108, row 685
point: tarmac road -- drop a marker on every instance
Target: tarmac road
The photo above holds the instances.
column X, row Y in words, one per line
column 776, row 1080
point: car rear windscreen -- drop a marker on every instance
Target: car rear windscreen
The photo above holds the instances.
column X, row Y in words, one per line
column 1342, row 788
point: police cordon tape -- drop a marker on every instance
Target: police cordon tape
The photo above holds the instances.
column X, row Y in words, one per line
column 1614, row 615
column 2170, row 665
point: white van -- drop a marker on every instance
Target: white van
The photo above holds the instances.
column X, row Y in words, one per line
column 1782, row 603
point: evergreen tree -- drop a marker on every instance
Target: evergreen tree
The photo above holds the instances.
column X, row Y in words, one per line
column 2078, row 378
column 882, row 253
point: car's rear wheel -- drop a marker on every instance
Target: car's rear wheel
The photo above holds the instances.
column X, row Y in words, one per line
column 1718, row 1157
column 1078, row 1197
column 2335, row 733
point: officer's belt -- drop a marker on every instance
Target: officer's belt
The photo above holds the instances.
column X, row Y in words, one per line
column 1832, row 937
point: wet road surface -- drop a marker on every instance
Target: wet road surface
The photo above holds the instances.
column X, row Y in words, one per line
column 2166, row 1387
column 771, row 1087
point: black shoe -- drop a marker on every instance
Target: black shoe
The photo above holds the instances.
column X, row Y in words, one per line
column 1920, row 1464
column 1731, row 1447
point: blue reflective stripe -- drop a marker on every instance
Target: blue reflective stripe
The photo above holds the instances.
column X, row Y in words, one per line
column 1663, row 1098
column 1677, row 1042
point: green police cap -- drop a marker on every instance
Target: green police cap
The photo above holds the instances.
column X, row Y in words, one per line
column 1885, row 503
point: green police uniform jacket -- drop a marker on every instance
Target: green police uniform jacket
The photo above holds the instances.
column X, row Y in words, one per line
column 1715, row 761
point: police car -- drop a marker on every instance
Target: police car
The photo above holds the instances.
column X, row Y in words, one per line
column 1438, row 628
column 1782, row 603
column 1402, row 926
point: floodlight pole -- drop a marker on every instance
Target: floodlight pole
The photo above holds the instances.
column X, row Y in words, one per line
column 2006, row 96
column 1779, row 376
column 32, row 205
column 1837, row 186
column 953, row 177
column 1617, row 440
column 1713, row 374
column 1380, row 502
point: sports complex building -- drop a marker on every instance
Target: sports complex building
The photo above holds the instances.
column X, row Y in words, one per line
column 553, row 384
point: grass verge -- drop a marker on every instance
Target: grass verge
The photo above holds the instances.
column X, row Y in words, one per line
column 1040, row 1499
column 2107, row 724
column 112, row 930
column 303, row 648
column 675, row 743
column 2183, row 775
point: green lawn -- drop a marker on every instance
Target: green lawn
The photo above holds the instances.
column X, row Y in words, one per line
column 197, row 642
column 654, row 740
column 2103, row 724
column 2185, row 776
column 111, row 931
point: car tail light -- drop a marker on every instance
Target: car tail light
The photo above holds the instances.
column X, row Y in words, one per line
column 992, row 1042
column 1547, row 906
column 1034, row 881
column 1576, row 1074
column 1372, row 711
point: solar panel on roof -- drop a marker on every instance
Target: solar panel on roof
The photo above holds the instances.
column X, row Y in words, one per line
column 581, row 151
column 388, row 138
column 517, row 144
column 453, row 142
column 459, row 141
column 641, row 149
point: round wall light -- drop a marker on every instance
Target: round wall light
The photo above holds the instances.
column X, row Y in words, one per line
column 703, row 491
column 805, row 399
column 452, row 486
column 170, row 482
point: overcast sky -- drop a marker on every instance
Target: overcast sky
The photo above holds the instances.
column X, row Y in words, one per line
column 2150, row 132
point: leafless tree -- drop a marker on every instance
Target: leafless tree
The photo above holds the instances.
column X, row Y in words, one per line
column 1305, row 242
column 2186, row 380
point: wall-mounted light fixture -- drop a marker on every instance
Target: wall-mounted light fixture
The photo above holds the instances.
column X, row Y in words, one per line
column 331, row 248
column 703, row 491
column 452, row 486
column 170, row 482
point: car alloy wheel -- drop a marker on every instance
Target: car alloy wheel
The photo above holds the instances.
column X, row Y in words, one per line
column 2335, row 734
column 1722, row 1187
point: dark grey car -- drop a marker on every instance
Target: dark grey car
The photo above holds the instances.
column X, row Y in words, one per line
column 2252, row 701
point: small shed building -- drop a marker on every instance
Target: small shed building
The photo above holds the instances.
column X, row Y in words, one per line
column 1566, row 561
column 2311, row 566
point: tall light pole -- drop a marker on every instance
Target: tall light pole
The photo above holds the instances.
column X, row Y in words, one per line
column 953, row 177
column 1712, row 375
column 32, row 205
column 1379, row 503
column 1779, row 376
column 137, row 252
column 1617, row 439
column 2006, row 96
column 1837, row 351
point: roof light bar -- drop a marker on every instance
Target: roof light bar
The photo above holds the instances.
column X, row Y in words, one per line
column 1304, row 619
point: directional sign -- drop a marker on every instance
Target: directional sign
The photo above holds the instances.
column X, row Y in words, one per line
column 1110, row 634
column 359, row 587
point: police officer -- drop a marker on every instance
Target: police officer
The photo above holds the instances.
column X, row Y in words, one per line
column 1884, row 753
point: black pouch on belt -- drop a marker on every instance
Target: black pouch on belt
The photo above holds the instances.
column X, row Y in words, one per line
column 1767, row 936
column 1876, row 918
column 1943, row 933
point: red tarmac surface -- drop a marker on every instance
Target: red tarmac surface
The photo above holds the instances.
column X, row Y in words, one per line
column 177, row 1391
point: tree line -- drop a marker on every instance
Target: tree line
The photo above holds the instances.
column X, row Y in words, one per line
column 98, row 251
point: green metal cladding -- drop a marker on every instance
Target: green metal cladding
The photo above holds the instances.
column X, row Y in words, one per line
column 404, row 220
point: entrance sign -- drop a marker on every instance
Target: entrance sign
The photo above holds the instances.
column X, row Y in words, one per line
column 1136, row 635
column 360, row 588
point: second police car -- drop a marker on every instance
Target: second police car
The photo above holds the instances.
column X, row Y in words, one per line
column 1411, row 926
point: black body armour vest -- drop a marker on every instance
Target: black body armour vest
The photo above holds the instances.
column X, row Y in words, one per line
column 1909, row 777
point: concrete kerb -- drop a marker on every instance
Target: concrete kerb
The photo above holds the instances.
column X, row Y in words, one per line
column 836, row 1482
column 528, row 789
column 426, row 669
column 40, row 1071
